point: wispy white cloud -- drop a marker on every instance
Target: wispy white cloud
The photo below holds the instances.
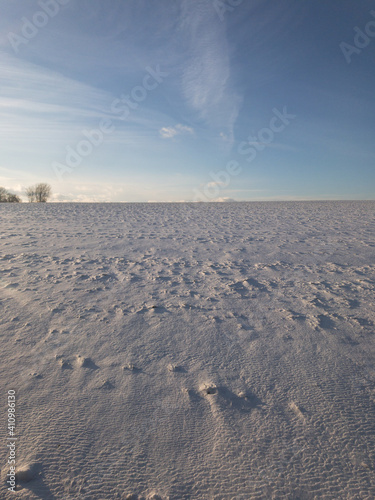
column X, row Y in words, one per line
column 215, row 183
column 170, row 132
column 41, row 108
column 42, row 112
column 29, row 82
column 223, row 199
column 206, row 78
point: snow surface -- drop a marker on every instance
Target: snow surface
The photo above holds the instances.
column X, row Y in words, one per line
column 189, row 351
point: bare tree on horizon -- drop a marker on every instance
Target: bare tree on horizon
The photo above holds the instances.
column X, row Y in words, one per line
column 30, row 193
column 39, row 193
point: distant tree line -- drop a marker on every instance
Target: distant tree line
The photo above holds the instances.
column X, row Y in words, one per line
column 7, row 197
column 35, row 194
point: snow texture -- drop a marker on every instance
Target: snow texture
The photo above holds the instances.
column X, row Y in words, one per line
column 189, row 351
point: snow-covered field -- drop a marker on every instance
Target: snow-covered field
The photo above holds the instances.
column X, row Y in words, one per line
column 189, row 351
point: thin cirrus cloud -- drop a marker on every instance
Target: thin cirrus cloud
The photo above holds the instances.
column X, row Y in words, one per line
column 36, row 99
column 206, row 77
column 39, row 105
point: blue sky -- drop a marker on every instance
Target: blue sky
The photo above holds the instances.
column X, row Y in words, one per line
column 160, row 100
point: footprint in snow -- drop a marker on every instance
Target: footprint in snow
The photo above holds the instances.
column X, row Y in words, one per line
column 86, row 363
